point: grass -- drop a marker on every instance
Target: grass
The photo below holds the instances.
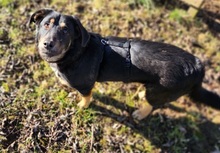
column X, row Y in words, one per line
column 148, row 4
column 177, row 14
column 38, row 114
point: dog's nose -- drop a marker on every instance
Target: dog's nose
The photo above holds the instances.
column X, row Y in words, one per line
column 48, row 44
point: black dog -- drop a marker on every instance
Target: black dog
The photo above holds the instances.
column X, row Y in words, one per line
column 80, row 58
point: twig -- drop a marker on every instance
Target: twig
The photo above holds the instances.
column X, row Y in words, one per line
column 136, row 93
column 92, row 139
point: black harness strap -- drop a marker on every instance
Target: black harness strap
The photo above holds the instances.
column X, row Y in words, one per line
column 126, row 46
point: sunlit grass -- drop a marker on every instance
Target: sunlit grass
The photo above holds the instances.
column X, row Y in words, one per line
column 42, row 107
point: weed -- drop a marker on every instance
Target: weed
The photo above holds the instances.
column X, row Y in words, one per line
column 5, row 87
column 148, row 4
column 177, row 15
column 5, row 3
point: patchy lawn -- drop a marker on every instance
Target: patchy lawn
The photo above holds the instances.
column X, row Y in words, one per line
column 37, row 114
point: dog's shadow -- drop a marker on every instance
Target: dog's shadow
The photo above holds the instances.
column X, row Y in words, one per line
column 158, row 128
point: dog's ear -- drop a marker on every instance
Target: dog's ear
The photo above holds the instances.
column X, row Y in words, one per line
column 38, row 16
column 83, row 32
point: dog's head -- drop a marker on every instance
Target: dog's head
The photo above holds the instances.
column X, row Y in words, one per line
column 57, row 33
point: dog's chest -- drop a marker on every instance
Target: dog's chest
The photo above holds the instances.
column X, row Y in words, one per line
column 59, row 75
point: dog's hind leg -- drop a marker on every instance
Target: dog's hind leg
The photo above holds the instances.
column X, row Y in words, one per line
column 142, row 112
column 155, row 96
column 86, row 100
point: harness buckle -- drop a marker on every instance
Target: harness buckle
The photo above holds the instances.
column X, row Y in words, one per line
column 104, row 42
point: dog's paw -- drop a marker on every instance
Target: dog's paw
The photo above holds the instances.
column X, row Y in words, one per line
column 137, row 115
column 142, row 112
column 83, row 104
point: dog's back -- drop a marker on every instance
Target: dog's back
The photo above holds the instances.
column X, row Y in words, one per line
column 149, row 62
column 167, row 71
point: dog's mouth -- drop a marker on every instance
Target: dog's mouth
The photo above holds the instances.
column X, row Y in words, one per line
column 53, row 54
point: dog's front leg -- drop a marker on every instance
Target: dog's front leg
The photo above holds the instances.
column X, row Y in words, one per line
column 86, row 100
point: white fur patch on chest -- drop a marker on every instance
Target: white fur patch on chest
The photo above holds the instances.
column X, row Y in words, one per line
column 61, row 79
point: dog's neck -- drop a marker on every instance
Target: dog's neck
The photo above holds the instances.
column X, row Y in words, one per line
column 71, row 57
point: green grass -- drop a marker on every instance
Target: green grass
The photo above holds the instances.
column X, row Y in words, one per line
column 177, row 14
column 38, row 114
column 148, row 4
column 5, row 3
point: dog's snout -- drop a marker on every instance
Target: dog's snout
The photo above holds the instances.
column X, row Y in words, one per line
column 48, row 44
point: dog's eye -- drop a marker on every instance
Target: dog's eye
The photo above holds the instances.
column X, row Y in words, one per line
column 65, row 29
column 46, row 25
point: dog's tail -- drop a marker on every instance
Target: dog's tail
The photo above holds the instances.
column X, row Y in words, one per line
column 201, row 95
